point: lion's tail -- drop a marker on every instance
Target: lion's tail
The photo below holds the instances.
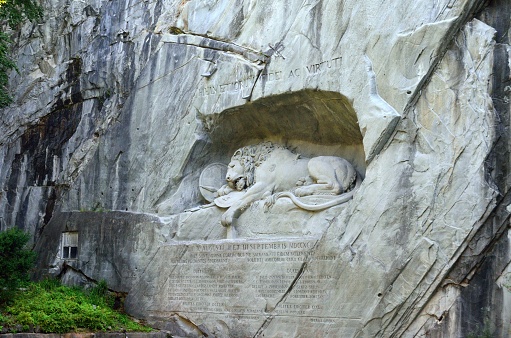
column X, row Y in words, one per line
column 343, row 198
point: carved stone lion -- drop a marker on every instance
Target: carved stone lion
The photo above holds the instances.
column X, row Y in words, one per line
column 259, row 171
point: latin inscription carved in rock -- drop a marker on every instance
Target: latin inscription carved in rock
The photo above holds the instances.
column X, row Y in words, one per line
column 246, row 81
column 214, row 277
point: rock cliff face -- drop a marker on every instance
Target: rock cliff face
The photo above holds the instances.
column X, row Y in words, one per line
column 124, row 110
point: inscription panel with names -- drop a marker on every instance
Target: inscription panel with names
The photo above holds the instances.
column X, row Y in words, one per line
column 241, row 278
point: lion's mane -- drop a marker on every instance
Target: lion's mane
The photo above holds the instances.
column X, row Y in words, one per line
column 252, row 156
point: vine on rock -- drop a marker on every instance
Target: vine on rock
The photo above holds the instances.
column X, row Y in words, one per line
column 13, row 13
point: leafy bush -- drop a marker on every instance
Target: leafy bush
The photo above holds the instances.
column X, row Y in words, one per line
column 15, row 262
column 52, row 307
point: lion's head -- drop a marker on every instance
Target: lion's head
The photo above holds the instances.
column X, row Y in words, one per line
column 241, row 170
column 237, row 176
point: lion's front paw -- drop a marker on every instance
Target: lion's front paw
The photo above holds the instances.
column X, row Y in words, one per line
column 269, row 202
column 223, row 191
column 227, row 218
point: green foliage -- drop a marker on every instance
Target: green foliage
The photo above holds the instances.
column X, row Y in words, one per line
column 55, row 308
column 6, row 64
column 15, row 262
column 12, row 14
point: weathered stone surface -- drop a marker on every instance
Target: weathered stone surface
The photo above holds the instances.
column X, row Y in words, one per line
column 120, row 106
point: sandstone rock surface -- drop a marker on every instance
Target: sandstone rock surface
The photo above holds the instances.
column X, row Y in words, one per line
column 121, row 105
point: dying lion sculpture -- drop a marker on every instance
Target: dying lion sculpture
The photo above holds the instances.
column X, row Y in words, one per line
column 271, row 171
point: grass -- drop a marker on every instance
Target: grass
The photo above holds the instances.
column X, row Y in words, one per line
column 50, row 307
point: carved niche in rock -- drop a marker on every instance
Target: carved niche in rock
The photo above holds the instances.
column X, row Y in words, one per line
column 269, row 171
